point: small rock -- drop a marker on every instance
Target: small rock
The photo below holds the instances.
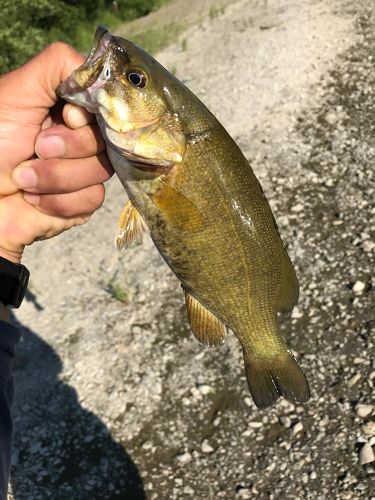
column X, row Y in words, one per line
column 205, row 389
column 296, row 313
column 255, row 425
column 358, row 287
column 184, row 458
column 368, row 246
column 369, row 429
column 297, row 208
column 366, row 455
column 285, row 421
column 364, row 411
column 298, row 427
column 248, row 401
column 206, row 447
column 244, row 493
column 354, row 379
column 331, row 118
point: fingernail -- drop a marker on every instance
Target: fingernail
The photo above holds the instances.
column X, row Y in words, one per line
column 50, row 146
column 32, row 198
column 25, row 177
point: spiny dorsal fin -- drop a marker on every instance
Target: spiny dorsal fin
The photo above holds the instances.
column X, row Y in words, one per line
column 130, row 228
column 209, row 331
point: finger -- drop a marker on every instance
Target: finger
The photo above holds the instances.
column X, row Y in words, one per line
column 76, row 116
column 63, row 142
column 56, row 176
column 77, row 204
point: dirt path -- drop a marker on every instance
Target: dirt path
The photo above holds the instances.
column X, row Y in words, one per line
column 131, row 406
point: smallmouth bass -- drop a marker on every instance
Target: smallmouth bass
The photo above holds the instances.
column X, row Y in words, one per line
column 191, row 186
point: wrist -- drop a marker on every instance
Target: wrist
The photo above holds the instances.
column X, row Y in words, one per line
column 4, row 313
column 10, row 255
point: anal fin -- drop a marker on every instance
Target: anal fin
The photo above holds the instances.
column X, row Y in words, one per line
column 130, row 227
column 208, row 330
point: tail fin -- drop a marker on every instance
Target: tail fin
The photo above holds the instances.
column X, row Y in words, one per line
column 270, row 379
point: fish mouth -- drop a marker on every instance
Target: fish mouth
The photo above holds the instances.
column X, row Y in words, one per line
column 102, row 39
column 76, row 88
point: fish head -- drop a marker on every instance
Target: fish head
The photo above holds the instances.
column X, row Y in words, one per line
column 134, row 100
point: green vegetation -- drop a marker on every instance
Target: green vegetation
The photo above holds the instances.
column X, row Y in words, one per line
column 117, row 292
column 156, row 37
column 26, row 26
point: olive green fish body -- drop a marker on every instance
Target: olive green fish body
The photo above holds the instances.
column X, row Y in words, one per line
column 206, row 211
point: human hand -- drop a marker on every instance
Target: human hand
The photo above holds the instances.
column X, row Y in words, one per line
column 53, row 163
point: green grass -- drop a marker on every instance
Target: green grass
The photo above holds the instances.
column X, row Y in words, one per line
column 85, row 34
column 153, row 38
column 216, row 12
column 117, row 292
column 156, row 38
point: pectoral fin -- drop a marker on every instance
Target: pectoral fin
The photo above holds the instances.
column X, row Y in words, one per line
column 130, row 228
column 177, row 209
column 209, row 331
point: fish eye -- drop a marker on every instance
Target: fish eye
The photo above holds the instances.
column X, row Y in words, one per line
column 137, row 78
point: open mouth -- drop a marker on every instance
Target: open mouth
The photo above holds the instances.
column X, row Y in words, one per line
column 102, row 40
column 84, row 77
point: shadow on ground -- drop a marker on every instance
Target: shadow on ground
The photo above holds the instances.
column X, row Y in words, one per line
column 62, row 450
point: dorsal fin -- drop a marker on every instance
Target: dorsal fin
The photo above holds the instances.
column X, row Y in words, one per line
column 209, row 331
column 130, row 227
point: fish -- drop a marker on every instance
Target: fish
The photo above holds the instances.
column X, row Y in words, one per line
column 191, row 187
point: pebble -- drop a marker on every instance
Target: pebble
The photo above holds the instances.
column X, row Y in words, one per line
column 331, row 117
column 188, row 490
column 205, row 389
column 354, row 379
column 358, row 287
column 368, row 246
column 366, row 455
column 248, row 401
column 298, row 427
column 184, row 458
column 244, row 493
column 364, row 411
column 255, row 425
column 206, row 447
column 297, row 208
column 285, row 421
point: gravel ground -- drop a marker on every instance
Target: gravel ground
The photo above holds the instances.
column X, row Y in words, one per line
column 115, row 399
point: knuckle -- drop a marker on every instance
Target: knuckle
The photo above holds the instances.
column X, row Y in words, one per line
column 96, row 197
column 58, row 49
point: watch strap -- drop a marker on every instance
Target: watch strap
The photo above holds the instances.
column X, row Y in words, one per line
column 14, row 279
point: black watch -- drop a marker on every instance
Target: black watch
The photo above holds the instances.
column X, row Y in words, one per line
column 13, row 282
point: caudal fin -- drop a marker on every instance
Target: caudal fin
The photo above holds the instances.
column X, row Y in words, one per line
column 270, row 379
